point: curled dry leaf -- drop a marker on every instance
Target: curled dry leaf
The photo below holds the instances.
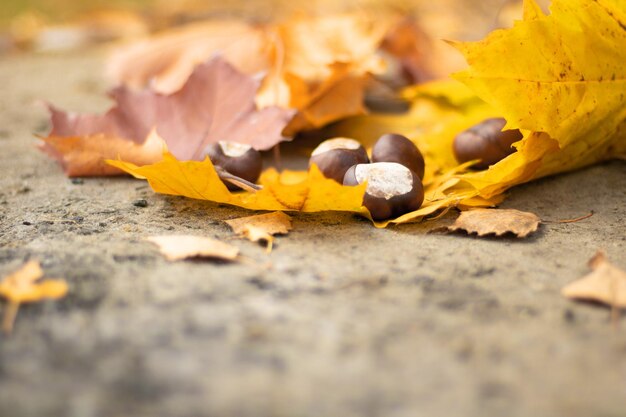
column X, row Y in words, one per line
column 178, row 247
column 22, row 287
column 605, row 284
column 262, row 227
column 497, row 222
column 216, row 103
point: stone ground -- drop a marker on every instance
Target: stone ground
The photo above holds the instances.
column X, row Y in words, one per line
column 348, row 320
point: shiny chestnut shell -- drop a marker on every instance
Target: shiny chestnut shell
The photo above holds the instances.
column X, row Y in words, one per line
column 393, row 147
column 333, row 157
column 485, row 142
column 392, row 189
column 240, row 160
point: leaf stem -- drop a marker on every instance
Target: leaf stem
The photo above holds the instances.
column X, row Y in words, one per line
column 10, row 313
column 576, row 220
column 238, row 181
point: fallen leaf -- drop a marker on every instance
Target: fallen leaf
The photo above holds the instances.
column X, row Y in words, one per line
column 318, row 65
column 216, row 103
column 165, row 61
column 568, row 102
column 83, row 156
column 412, row 46
column 605, row 284
column 262, row 227
column 22, row 287
column 286, row 191
column 574, row 96
column 497, row 222
column 179, row 247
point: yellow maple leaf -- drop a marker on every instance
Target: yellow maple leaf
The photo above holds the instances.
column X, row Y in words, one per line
column 22, row 287
column 287, row 191
column 561, row 76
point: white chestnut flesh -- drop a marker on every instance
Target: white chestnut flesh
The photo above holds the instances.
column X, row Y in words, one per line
column 238, row 159
column 485, row 142
column 392, row 189
column 333, row 157
column 393, row 147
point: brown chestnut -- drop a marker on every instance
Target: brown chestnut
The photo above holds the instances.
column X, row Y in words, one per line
column 334, row 156
column 486, row 142
column 392, row 189
column 240, row 160
column 393, row 147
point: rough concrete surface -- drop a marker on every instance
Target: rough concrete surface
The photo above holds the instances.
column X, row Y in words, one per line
column 347, row 321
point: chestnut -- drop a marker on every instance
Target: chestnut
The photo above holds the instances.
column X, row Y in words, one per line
column 486, row 142
column 237, row 159
column 392, row 189
column 334, row 156
column 393, row 147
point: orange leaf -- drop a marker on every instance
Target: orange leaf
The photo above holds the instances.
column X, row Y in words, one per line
column 85, row 155
column 317, row 65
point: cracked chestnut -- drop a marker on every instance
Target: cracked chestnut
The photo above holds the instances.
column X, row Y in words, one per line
column 485, row 142
column 237, row 159
column 393, row 147
column 392, row 189
column 334, row 156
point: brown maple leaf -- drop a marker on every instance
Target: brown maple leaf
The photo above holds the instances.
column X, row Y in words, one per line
column 216, row 103
column 22, row 287
column 496, row 222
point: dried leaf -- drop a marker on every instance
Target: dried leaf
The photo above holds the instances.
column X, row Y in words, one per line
column 85, row 155
column 317, row 65
column 165, row 61
column 177, row 247
column 606, row 284
column 22, row 287
column 216, row 103
column 262, row 227
column 573, row 95
column 567, row 101
column 496, row 222
column 287, row 191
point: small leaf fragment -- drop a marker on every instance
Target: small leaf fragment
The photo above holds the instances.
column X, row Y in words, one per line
column 605, row 283
column 177, row 247
column 262, row 227
column 22, row 287
column 497, row 222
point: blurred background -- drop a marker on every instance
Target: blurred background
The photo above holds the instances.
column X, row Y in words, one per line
column 67, row 24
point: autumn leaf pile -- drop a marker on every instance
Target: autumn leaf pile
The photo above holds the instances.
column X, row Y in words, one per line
column 559, row 78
